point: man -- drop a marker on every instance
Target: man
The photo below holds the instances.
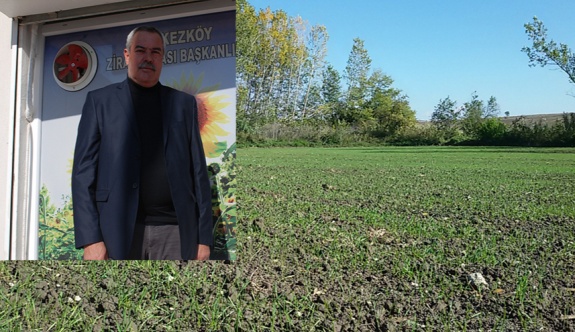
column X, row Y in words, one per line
column 140, row 187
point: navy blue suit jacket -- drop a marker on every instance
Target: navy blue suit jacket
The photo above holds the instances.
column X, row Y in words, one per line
column 106, row 171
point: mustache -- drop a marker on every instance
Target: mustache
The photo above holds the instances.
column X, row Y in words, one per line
column 147, row 65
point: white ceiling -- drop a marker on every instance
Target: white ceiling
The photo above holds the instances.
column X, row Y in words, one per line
column 14, row 8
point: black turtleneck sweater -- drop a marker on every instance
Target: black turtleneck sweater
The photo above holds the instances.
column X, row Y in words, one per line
column 155, row 205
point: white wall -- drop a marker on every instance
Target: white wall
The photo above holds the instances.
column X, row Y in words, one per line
column 7, row 70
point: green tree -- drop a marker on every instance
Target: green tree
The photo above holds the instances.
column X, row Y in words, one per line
column 390, row 109
column 446, row 116
column 331, row 93
column 378, row 82
column 356, row 73
column 492, row 108
column 451, row 120
column 545, row 51
column 271, row 54
column 475, row 112
column 392, row 113
column 317, row 46
column 356, row 111
column 331, row 87
column 246, row 69
column 472, row 115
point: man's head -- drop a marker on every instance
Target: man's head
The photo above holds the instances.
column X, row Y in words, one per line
column 144, row 54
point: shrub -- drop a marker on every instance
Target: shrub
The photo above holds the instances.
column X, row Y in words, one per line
column 417, row 135
column 491, row 131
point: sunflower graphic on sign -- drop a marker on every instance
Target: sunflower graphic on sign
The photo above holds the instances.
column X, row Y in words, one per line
column 210, row 112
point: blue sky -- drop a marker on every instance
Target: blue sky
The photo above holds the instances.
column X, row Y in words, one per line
column 435, row 49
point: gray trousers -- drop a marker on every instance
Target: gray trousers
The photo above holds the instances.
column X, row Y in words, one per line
column 156, row 242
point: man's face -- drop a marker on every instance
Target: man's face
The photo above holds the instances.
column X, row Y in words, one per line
column 144, row 58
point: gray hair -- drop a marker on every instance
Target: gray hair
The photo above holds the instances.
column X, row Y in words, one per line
column 145, row 29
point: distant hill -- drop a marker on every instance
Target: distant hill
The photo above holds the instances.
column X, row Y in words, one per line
column 549, row 119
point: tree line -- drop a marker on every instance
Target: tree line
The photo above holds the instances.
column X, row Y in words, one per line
column 477, row 123
column 288, row 94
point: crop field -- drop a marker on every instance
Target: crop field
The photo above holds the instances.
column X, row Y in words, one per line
column 354, row 239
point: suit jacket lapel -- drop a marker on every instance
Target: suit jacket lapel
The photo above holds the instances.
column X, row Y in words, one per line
column 125, row 102
column 167, row 109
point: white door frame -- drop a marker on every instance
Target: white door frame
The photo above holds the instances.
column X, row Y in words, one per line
column 23, row 228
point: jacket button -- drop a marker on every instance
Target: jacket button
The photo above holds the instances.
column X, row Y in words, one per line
column 134, row 185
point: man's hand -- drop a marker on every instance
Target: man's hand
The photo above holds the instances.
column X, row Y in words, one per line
column 203, row 252
column 95, row 251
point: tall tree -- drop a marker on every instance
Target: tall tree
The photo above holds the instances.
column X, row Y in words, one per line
column 272, row 65
column 331, row 88
column 357, row 72
column 492, row 108
column 246, row 69
column 331, row 93
column 472, row 115
column 317, row 47
column 545, row 51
